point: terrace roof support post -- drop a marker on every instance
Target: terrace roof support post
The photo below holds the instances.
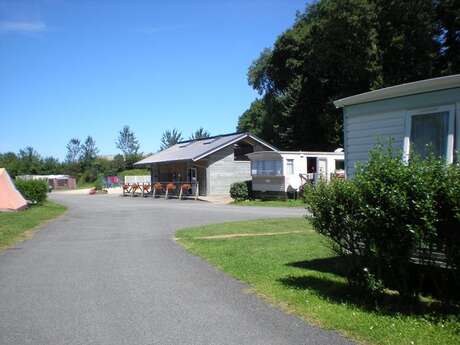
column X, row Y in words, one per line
column 187, row 168
column 166, row 195
column 196, row 191
column 143, row 188
column 180, row 193
column 153, row 192
column 152, row 175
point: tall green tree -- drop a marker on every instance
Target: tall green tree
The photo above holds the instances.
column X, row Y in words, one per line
column 448, row 14
column 329, row 46
column 406, row 40
column 50, row 165
column 338, row 48
column 200, row 133
column 29, row 161
column 73, row 150
column 89, row 151
column 170, row 138
column 10, row 161
column 127, row 142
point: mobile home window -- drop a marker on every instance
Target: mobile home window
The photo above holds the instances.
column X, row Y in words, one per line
column 290, row 166
column 431, row 133
column 339, row 164
column 267, row 167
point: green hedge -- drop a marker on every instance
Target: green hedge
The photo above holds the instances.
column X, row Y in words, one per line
column 395, row 222
column 33, row 190
column 240, row 190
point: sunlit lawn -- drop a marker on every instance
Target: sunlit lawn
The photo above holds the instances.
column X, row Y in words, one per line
column 299, row 272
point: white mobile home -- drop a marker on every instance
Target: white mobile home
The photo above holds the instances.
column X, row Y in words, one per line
column 418, row 116
column 275, row 173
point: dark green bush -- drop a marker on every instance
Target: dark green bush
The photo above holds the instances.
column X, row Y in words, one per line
column 99, row 183
column 33, row 190
column 399, row 221
column 239, row 191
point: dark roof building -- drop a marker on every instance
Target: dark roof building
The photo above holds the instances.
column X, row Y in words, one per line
column 210, row 164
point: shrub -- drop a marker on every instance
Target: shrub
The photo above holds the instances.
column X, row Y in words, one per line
column 99, row 183
column 33, row 190
column 239, row 191
column 394, row 219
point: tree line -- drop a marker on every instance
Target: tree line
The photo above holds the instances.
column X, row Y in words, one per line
column 338, row 48
column 82, row 158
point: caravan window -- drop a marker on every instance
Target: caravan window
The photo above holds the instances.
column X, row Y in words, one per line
column 290, row 166
column 267, row 168
column 339, row 164
column 430, row 132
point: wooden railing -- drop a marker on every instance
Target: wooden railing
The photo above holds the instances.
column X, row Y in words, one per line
column 167, row 189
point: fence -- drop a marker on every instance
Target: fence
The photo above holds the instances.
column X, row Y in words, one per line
column 137, row 179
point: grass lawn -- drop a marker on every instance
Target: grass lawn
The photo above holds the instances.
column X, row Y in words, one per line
column 134, row 172
column 16, row 226
column 298, row 272
column 271, row 203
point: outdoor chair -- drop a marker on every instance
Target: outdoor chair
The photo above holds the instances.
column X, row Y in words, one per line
column 135, row 188
column 146, row 188
column 126, row 189
column 170, row 187
column 184, row 189
column 157, row 188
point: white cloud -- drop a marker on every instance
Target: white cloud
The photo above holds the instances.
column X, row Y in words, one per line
column 22, row 26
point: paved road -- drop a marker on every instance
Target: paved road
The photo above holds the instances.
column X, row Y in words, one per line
column 108, row 272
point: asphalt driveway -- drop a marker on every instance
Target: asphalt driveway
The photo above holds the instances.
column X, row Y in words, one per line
column 108, row 272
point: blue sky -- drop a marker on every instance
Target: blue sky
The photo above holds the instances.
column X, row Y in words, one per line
column 77, row 68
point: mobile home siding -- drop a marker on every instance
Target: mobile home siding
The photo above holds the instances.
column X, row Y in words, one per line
column 268, row 183
column 367, row 124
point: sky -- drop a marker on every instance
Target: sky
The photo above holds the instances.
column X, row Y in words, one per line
column 77, row 68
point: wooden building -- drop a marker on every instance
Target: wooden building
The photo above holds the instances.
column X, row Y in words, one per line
column 209, row 164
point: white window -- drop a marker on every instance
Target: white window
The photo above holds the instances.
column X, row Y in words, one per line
column 430, row 131
column 289, row 166
column 267, row 168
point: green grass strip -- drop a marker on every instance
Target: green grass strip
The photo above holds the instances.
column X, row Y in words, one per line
column 271, row 203
column 16, row 226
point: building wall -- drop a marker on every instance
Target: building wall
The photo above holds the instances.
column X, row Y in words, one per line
column 223, row 170
column 365, row 125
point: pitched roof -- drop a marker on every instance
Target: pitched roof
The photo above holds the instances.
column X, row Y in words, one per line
column 198, row 149
column 421, row 86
